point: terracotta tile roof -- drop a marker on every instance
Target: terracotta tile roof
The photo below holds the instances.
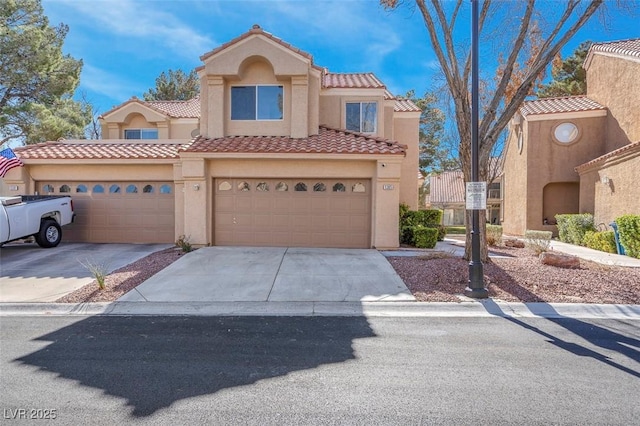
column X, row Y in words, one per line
column 174, row 109
column 405, row 105
column 559, row 105
column 629, row 47
column 364, row 80
column 401, row 105
column 256, row 30
column 634, row 146
column 327, row 141
column 92, row 150
column 447, row 188
column 177, row 109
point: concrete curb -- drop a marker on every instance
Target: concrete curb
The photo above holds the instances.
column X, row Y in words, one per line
column 486, row 308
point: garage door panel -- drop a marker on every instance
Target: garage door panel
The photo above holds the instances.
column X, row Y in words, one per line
column 142, row 217
column 292, row 218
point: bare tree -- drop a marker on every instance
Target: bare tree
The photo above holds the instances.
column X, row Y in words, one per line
column 559, row 23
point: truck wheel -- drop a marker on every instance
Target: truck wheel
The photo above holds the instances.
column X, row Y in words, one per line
column 49, row 235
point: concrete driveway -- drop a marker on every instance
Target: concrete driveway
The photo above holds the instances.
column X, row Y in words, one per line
column 248, row 274
column 29, row 273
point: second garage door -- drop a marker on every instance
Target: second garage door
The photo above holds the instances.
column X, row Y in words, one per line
column 293, row 212
column 118, row 212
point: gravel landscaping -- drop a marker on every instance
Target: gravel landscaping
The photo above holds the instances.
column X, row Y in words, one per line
column 438, row 277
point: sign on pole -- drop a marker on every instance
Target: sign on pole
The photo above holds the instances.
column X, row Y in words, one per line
column 476, row 195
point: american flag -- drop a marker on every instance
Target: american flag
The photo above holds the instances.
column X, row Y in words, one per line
column 8, row 161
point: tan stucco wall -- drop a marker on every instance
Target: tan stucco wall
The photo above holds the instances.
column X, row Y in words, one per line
column 620, row 196
column 405, row 130
column 544, row 161
column 615, row 83
column 259, row 61
column 515, row 202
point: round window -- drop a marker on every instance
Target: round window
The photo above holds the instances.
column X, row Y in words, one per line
column 566, row 132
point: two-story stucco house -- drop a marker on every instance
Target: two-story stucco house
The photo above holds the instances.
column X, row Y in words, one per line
column 578, row 154
column 276, row 151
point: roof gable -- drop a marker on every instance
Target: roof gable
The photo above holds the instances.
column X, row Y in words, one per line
column 627, row 49
column 134, row 105
column 228, row 58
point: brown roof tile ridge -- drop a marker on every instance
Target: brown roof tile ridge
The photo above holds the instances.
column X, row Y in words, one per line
column 371, row 75
column 377, row 139
column 256, row 29
column 630, row 46
column 628, row 147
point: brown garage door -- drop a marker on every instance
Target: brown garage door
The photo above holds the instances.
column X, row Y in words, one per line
column 293, row 212
column 118, row 212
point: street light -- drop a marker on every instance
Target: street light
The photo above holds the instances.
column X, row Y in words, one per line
column 475, row 288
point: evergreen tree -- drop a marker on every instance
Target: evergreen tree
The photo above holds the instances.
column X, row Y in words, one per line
column 37, row 80
column 568, row 76
column 174, row 86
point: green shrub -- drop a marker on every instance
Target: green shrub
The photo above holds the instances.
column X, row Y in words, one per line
column 425, row 237
column 538, row 241
column 406, row 235
column 456, row 230
column 494, row 235
column 424, row 218
column 603, row 241
column 442, row 230
column 572, row 227
column 629, row 234
column 184, row 243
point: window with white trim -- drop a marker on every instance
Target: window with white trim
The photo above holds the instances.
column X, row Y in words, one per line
column 141, row 133
column 361, row 116
column 257, row 102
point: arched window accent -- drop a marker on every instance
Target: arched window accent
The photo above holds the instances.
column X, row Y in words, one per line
column 319, row 187
column 244, row 186
column 224, row 186
column 147, row 189
column 262, row 187
column 48, row 189
column 98, row 189
column 339, row 187
column 282, row 187
column 165, row 189
column 114, row 189
column 82, row 188
column 300, row 187
column 65, row 188
column 132, row 189
column 358, row 187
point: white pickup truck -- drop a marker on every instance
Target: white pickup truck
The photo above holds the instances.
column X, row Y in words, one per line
column 40, row 216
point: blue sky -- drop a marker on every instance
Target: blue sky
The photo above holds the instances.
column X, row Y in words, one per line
column 126, row 44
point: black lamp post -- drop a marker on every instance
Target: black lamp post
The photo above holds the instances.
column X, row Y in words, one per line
column 475, row 287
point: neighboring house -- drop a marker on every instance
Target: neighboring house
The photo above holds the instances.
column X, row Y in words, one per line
column 578, row 154
column 276, row 151
column 447, row 193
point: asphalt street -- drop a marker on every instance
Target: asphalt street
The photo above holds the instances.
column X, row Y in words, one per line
column 319, row 370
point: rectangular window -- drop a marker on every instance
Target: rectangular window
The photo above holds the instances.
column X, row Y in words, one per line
column 141, row 134
column 361, row 116
column 257, row 102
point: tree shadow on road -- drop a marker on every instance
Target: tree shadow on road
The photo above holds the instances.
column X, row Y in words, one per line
column 596, row 335
column 154, row 361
